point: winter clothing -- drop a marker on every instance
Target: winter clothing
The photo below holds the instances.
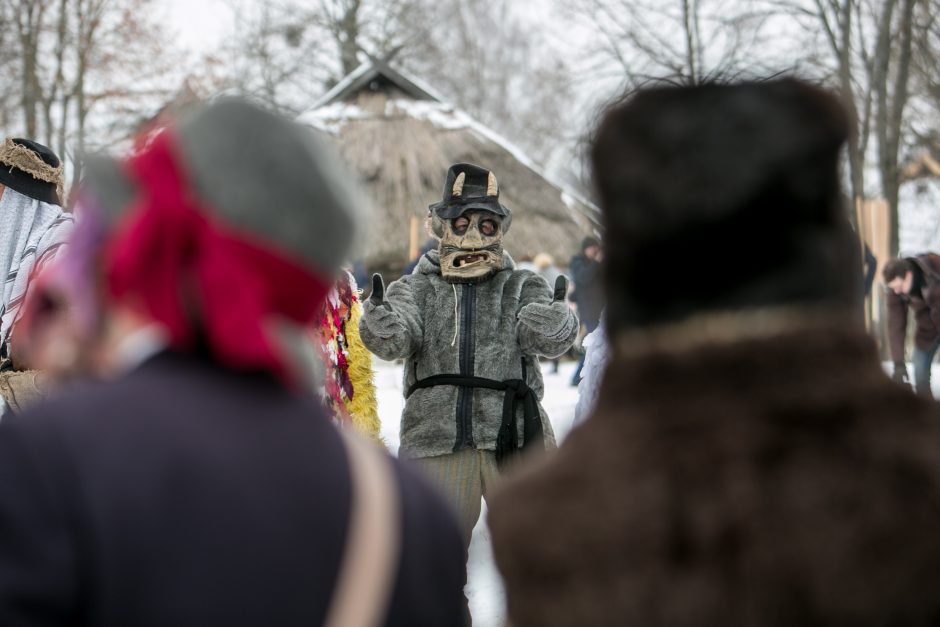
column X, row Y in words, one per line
column 31, row 169
column 596, row 356
column 587, row 295
column 467, row 476
column 206, row 487
column 185, row 494
column 493, row 329
column 349, row 385
column 742, row 473
column 32, row 233
column 924, row 302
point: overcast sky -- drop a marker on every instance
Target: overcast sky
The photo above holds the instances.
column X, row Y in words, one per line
column 200, row 24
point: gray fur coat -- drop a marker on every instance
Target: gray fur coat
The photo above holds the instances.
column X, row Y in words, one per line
column 495, row 329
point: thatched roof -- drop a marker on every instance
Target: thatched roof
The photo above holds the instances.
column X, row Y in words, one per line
column 401, row 137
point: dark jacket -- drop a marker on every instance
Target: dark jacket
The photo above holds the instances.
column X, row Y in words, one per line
column 773, row 480
column 185, row 495
column 588, row 292
column 925, row 307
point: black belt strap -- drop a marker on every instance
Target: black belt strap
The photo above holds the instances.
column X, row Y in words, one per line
column 515, row 390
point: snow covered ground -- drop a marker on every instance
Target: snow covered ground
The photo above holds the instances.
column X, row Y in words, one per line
column 484, row 587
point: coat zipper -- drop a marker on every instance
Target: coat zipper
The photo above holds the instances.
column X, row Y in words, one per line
column 465, row 394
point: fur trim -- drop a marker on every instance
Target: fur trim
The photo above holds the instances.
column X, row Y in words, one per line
column 363, row 406
column 720, row 328
column 492, row 187
column 13, row 155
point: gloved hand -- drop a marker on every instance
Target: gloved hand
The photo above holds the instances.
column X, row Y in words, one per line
column 550, row 320
column 377, row 314
column 900, row 372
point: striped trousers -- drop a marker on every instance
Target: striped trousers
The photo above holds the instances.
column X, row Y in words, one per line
column 464, row 478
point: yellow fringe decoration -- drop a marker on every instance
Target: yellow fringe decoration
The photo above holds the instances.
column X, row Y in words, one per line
column 363, row 407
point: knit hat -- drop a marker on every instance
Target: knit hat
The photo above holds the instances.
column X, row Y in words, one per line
column 721, row 197
column 31, row 169
column 469, row 187
column 243, row 212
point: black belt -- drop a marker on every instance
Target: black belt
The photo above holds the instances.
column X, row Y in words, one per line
column 507, row 444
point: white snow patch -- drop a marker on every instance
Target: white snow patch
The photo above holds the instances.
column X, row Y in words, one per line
column 332, row 117
column 484, row 585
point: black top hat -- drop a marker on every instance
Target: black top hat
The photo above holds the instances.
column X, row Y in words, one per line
column 469, row 187
column 31, row 169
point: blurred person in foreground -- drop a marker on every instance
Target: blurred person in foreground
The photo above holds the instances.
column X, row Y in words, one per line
column 203, row 485
column 913, row 285
column 33, row 229
column 748, row 463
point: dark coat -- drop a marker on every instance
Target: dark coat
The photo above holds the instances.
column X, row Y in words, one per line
column 925, row 306
column 780, row 480
column 186, row 495
column 588, row 292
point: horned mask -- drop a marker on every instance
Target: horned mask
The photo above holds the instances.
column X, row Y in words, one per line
column 470, row 223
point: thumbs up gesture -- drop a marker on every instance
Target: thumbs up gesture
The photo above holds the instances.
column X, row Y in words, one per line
column 551, row 320
column 378, row 317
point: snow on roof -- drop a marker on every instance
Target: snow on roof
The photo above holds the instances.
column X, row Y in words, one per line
column 341, row 86
column 330, row 115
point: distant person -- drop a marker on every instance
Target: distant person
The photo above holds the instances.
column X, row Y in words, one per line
column 202, row 485
column 913, row 284
column 748, row 463
column 544, row 264
column 587, row 293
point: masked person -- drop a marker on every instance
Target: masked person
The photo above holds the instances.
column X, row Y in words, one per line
column 471, row 327
column 202, row 484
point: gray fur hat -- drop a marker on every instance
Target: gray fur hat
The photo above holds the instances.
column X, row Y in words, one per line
column 261, row 174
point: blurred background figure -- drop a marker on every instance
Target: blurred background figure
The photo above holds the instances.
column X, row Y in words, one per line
column 210, row 486
column 588, row 294
column 748, row 463
column 33, row 227
column 913, row 284
column 348, row 389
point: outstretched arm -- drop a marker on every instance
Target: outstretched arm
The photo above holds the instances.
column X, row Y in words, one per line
column 546, row 325
column 391, row 325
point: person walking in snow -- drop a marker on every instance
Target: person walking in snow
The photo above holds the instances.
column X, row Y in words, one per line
column 913, row 285
column 587, row 295
column 470, row 326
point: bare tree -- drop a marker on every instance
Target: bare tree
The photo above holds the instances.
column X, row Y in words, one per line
column 82, row 57
column 688, row 41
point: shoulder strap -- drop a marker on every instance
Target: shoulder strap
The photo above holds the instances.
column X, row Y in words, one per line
column 373, row 541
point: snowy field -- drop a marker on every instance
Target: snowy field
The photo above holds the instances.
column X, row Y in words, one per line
column 484, row 587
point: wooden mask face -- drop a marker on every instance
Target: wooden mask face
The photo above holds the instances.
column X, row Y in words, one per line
column 471, row 247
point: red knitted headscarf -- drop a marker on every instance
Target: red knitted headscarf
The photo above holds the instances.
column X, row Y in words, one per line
column 172, row 248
